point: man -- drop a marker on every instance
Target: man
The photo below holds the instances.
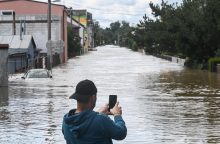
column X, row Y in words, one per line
column 85, row 126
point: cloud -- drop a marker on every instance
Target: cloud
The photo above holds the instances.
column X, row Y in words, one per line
column 126, row 2
column 108, row 11
column 98, row 2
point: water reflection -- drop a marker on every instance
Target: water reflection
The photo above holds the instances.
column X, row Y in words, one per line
column 190, row 83
column 3, row 96
column 187, row 107
column 4, row 113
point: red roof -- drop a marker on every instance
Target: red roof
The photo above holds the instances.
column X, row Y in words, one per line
column 30, row 7
column 31, row 1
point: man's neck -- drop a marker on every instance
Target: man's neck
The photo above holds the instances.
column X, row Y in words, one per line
column 82, row 107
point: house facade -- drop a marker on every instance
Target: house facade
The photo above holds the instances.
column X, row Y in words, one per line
column 31, row 19
column 79, row 30
column 22, row 52
column 85, row 18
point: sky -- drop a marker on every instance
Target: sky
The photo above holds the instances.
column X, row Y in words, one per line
column 108, row 11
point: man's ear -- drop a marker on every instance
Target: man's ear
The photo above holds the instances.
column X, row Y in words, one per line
column 94, row 97
column 91, row 99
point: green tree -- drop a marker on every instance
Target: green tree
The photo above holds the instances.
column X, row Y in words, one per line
column 117, row 32
column 74, row 46
column 191, row 29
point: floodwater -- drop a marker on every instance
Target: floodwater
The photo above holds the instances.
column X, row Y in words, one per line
column 162, row 102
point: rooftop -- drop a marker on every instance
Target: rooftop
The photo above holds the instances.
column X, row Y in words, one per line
column 17, row 45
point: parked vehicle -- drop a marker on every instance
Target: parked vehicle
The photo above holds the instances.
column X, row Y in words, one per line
column 37, row 73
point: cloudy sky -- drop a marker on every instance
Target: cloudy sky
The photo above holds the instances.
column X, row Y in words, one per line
column 108, row 11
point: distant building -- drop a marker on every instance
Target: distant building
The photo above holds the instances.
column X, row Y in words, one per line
column 22, row 52
column 85, row 18
column 78, row 29
column 32, row 16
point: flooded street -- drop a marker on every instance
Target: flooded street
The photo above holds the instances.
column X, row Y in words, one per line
column 162, row 102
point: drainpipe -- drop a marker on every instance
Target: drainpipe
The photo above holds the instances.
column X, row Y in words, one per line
column 14, row 24
column 21, row 30
column 24, row 27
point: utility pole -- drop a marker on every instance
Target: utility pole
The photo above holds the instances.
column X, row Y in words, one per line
column 49, row 50
column 49, row 55
column 49, row 20
column 4, row 65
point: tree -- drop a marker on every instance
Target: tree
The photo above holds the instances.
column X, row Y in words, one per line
column 191, row 29
column 74, row 46
column 117, row 32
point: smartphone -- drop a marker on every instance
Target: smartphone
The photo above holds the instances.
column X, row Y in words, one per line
column 112, row 101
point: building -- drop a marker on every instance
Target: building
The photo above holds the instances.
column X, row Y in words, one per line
column 85, row 18
column 31, row 19
column 22, row 52
column 78, row 30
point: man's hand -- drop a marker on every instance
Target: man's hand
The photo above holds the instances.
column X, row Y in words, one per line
column 116, row 110
column 104, row 109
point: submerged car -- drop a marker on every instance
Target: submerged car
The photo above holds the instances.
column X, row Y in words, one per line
column 37, row 73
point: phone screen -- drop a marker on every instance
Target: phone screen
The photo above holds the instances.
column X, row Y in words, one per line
column 112, row 101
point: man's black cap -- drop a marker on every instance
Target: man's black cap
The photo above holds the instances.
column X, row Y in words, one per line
column 84, row 90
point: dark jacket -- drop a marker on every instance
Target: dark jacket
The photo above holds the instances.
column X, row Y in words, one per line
column 90, row 127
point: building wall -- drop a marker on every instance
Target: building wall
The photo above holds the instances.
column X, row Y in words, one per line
column 30, row 7
column 65, row 38
column 16, row 64
column 85, row 18
column 90, row 36
column 81, row 32
column 85, row 43
column 21, row 62
column 39, row 31
column 35, row 11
